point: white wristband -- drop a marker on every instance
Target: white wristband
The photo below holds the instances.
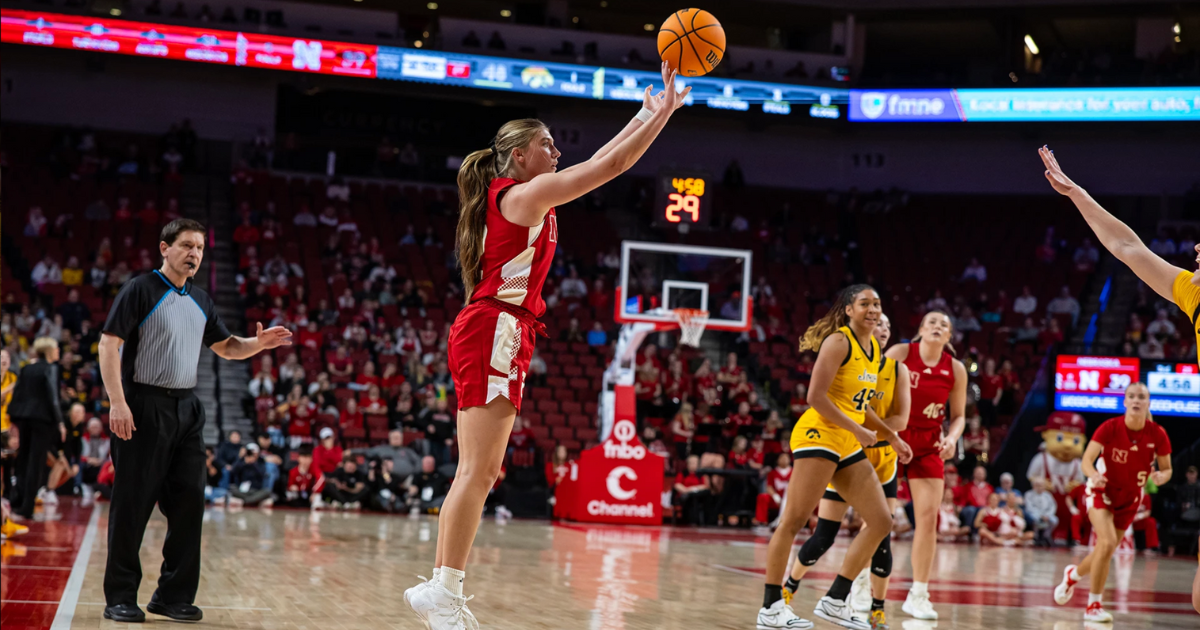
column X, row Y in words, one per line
column 644, row 115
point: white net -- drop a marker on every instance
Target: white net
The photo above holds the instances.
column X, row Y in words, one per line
column 691, row 325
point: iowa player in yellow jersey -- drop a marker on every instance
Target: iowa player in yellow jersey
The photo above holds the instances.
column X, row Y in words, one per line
column 1173, row 283
column 827, row 445
column 891, row 403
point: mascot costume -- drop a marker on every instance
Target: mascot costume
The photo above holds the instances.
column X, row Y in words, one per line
column 1058, row 461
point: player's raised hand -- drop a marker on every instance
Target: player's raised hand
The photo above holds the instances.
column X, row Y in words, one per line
column 672, row 99
column 1059, row 180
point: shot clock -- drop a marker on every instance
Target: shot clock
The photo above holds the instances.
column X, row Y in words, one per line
column 682, row 199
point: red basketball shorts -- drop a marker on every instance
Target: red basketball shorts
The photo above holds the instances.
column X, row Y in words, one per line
column 489, row 352
column 1096, row 499
column 927, row 462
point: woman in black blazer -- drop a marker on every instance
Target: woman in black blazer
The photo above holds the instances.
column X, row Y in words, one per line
column 37, row 413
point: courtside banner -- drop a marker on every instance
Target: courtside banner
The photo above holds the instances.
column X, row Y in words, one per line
column 187, row 43
column 1015, row 105
column 619, row 481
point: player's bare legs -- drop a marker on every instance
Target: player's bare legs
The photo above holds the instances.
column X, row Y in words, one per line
column 927, row 498
column 1095, row 565
column 830, row 511
column 809, row 477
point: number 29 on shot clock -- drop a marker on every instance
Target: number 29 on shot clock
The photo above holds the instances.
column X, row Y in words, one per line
column 682, row 200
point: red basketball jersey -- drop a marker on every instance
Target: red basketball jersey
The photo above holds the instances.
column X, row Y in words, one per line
column 1127, row 458
column 516, row 259
column 930, row 389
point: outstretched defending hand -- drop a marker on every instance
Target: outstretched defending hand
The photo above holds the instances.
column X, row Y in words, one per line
column 1054, row 173
column 273, row 337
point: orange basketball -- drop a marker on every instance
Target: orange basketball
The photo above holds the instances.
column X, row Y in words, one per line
column 692, row 42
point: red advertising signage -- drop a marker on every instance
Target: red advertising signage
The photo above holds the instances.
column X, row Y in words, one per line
column 188, row 43
column 1095, row 375
column 618, row 481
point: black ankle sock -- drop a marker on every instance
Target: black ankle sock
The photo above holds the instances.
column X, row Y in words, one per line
column 876, row 604
column 791, row 584
column 840, row 589
column 771, row 594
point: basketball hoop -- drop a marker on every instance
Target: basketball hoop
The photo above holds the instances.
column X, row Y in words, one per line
column 691, row 325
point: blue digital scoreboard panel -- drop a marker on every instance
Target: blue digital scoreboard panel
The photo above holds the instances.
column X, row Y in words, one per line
column 600, row 83
column 1174, row 389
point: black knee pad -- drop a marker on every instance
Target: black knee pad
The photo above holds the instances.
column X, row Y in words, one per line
column 819, row 542
column 881, row 562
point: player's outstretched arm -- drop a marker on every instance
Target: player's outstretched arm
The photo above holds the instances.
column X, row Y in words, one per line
column 555, row 189
column 1116, row 237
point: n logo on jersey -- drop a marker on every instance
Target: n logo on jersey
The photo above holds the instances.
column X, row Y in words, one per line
column 812, row 434
column 1120, row 456
column 552, row 224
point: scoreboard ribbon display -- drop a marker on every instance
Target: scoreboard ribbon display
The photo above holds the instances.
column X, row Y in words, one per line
column 1085, row 383
column 1174, row 389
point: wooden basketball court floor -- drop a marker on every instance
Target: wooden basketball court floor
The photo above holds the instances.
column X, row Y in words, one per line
column 289, row 569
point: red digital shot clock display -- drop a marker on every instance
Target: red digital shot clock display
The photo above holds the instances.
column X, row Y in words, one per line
column 682, row 199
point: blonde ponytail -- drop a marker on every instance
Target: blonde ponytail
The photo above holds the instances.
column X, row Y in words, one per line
column 474, row 178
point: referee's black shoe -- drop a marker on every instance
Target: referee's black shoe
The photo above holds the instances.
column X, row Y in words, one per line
column 125, row 613
column 178, row 612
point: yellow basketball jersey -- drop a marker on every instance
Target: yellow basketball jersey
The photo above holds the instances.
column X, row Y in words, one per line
column 853, row 387
column 885, row 388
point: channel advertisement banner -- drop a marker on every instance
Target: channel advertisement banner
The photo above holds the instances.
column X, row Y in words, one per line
column 187, row 43
column 1012, row 105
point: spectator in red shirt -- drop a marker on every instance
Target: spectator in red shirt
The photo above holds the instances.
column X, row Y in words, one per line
column 777, row 483
column 311, row 337
column 772, row 435
column 1050, row 335
column 366, row 378
column 558, row 466
column 521, row 437
column 676, row 385
column 991, row 387
column 392, row 380
column 305, row 482
column 799, row 402
column 739, row 392
column 246, row 233
column 756, row 455
column 683, row 429
column 149, row 214
column 977, row 492
column 341, row 367
column 327, row 455
column 373, row 404
column 739, row 423
column 731, row 372
column 692, row 492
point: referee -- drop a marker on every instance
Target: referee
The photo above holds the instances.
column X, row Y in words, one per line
column 148, row 358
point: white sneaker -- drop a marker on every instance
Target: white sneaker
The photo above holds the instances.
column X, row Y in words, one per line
column 839, row 612
column 780, row 616
column 503, row 513
column 860, row 592
column 318, row 504
column 919, row 607
column 48, row 497
column 439, row 609
column 1065, row 589
column 1095, row 613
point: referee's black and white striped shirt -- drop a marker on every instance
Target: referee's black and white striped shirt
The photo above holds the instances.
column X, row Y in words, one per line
column 163, row 326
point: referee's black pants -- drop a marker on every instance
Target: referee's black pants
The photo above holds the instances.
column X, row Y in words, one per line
column 162, row 463
column 37, row 437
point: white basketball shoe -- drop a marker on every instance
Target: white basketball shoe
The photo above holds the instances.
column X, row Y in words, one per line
column 1065, row 589
column 919, row 607
column 839, row 612
column 780, row 616
column 860, row 592
column 439, row 609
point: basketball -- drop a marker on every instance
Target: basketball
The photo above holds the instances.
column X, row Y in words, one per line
column 692, row 42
